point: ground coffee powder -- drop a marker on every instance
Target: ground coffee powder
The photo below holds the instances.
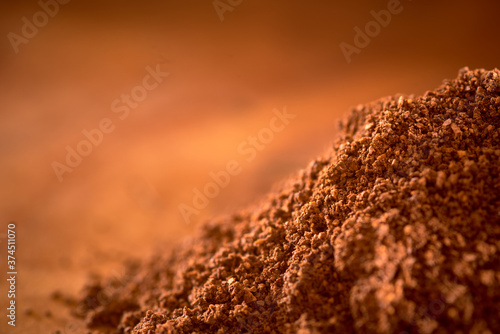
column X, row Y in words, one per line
column 396, row 230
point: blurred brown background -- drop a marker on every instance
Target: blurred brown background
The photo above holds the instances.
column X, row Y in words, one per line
column 226, row 77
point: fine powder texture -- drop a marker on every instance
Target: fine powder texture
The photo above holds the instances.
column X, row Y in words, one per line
column 395, row 230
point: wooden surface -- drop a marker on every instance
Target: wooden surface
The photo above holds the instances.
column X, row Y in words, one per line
column 225, row 80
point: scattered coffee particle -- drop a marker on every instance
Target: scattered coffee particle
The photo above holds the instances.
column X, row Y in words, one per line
column 395, row 230
column 63, row 298
column 56, row 295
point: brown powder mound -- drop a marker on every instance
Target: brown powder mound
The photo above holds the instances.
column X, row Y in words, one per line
column 396, row 230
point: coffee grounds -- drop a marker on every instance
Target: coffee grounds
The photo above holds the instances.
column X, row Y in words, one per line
column 395, row 230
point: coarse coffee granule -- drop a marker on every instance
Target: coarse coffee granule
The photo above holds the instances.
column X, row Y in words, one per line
column 395, row 230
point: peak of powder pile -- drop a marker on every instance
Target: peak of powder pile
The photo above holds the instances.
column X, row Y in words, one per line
column 396, row 229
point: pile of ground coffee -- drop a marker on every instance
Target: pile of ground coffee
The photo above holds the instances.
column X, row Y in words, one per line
column 397, row 229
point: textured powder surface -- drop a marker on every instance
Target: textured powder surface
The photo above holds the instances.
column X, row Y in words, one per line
column 395, row 230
